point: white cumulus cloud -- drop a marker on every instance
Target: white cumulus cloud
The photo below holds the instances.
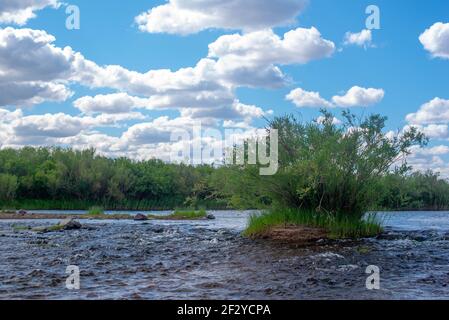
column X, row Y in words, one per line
column 187, row 16
column 435, row 111
column 354, row 97
column 20, row 11
column 252, row 59
column 302, row 98
column 359, row 97
column 436, row 40
column 361, row 39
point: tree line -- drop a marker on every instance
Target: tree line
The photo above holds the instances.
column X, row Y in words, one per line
column 321, row 167
column 57, row 178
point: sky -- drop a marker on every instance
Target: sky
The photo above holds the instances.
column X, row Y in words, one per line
column 133, row 72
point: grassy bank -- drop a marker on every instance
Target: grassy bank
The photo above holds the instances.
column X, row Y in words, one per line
column 337, row 226
column 97, row 213
column 188, row 214
column 178, row 214
column 125, row 205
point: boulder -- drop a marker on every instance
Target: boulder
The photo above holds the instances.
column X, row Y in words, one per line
column 140, row 217
column 22, row 212
column 70, row 224
column 210, row 216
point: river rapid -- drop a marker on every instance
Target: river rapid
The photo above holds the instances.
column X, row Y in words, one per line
column 211, row 260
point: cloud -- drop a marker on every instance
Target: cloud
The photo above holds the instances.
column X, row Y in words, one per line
column 431, row 151
column 354, row 97
column 46, row 129
column 24, row 94
column 31, row 63
column 359, row 97
column 187, row 16
column 424, row 159
column 20, row 11
column 433, row 112
column 238, row 111
column 436, row 40
column 103, row 143
column 361, row 39
column 39, row 71
column 432, row 131
column 29, row 55
column 48, row 125
column 158, row 130
column 298, row 46
column 252, row 59
column 110, row 103
column 32, row 69
column 233, row 61
column 302, row 98
column 9, row 116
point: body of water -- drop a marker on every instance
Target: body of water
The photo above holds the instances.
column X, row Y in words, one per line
column 211, row 260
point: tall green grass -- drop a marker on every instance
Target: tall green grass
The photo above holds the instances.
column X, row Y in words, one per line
column 338, row 226
column 128, row 204
column 188, row 214
column 95, row 211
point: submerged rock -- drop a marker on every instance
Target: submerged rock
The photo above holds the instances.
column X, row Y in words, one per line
column 70, row 224
column 67, row 224
column 140, row 217
column 391, row 236
column 210, row 216
column 158, row 230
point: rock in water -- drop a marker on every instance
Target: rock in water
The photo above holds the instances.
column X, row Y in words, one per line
column 70, row 224
column 22, row 212
column 210, row 216
column 140, row 217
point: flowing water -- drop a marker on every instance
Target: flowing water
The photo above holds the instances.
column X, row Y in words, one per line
column 211, row 260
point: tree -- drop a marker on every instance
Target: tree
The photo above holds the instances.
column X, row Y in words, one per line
column 8, row 187
column 330, row 168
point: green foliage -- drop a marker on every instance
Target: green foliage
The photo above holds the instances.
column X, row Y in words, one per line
column 56, row 178
column 18, row 228
column 339, row 225
column 329, row 174
column 95, row 211
column 324, row 167
column 417, row 191
column 188, row 214
column 8, row 187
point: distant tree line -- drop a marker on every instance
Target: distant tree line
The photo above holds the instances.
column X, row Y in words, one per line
column 415, row 191
column 56, row 178
column 322, row 167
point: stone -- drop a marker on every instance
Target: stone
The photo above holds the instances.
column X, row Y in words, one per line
column 158, row 230
column 69, row 224
column 22, row 212
column 210, row 216
column 140, row 217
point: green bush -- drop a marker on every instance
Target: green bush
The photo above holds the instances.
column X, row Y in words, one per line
column 189, row 214
column 96, row 211
column 338, row 226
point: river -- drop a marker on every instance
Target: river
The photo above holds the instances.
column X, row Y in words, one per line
column 211, row 260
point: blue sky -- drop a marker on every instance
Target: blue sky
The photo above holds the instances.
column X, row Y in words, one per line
column 410, row 72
